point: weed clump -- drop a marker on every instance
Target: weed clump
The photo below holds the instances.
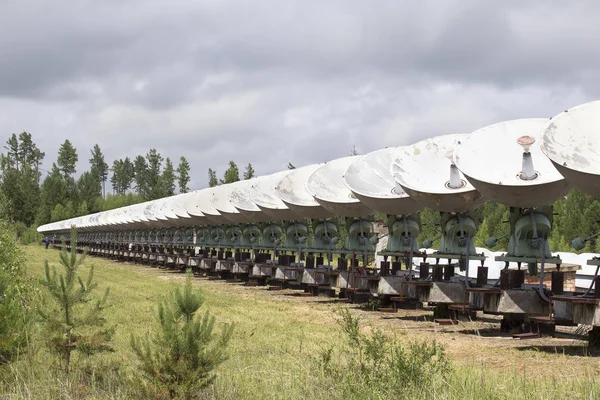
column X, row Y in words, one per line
column 376, row 366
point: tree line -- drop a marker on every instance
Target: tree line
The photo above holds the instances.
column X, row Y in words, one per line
column 30, row 200
column 232, row 174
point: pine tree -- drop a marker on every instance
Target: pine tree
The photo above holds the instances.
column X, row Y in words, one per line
column 249, row 172
column 430, row 225
column 124, row 174
column 29, row 201
column 54, row 191
column 30, row 155
column 140, row 167
column 89, row 190
column 154, row 175
column 114, row 179
column 19, row 179
column 168, row 179
column 58, row 213
column 82, row 209
column 67, row 158
column 232, row 174
column 72, row 327
column 212, row 178
column 100, row 166
column 179, row 357
column 128, row 175
column 491, row 216
column 11, row 160
column 183, row 175
column 120, row 200
column 483, row 233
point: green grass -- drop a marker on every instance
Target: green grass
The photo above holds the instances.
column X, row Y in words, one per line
column 274, row 352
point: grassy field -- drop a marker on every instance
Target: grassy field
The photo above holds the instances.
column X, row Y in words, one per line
column 279, row 339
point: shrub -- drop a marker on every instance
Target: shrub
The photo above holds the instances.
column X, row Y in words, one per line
column 31, row 235
column 376, row 366
column 178, row 360
column 15, row 318
column 19, row 228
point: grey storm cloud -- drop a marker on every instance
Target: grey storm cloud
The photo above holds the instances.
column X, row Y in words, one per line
column 269, row 82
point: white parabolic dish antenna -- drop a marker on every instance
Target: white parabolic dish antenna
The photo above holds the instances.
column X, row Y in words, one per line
column 179, row 204
column 240, row 198
column 189, row 203
column 127, row 219
column 572, row 142
column 264, row 195
column 90, row 221
column 174, row 203
column 505, row 163
column 292, row 191
column 94, row 220
column 200, row 205
column 102, row 218
column 138, row 215
column 157, row 212
column 327, row 186
column 85, row 221
column 220, row 200
column 371, row 180
column 425, row 172
column 166, row 208
column 119, row 218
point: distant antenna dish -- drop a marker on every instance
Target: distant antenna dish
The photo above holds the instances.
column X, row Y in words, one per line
column 86, row 221
column 75, row 222
column 425, row 170
column 264, row 195
column 79, row 222
column 168, row 218
column 168, row 209
column 572, row 142
column 291, row 189
column 505, row 163
column 190, row 203
column 201, row 206
column 149, row 211
column 220, row 200
column 112, row 220
column 89, row 221
column 155, row 213
column 126, row 220
column 241, row 200
column 177, row 211
column 102, row 219
column 327, row 186
column 179, row 206
column 138, row 215
column 371, row 180
column 122, row 220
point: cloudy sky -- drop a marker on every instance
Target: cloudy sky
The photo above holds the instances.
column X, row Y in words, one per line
column 273, row 81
